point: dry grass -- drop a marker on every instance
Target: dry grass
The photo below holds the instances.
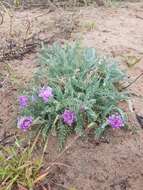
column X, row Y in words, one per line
column 51, row 3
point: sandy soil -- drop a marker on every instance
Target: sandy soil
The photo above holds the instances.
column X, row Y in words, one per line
column 116, row 165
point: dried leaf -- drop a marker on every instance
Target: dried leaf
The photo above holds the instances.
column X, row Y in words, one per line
column 132, row 60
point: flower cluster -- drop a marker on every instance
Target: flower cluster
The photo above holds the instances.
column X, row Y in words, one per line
column 115, row 121
column 24, row 123
column 46, row 93
column 23, row 101
column 69, row 117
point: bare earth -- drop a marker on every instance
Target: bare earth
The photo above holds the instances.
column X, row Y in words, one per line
column 117, row 32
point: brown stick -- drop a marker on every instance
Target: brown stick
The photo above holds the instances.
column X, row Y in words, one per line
column 138, row 77
column 139, row 17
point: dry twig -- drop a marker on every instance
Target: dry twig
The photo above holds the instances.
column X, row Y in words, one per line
column 131, row 83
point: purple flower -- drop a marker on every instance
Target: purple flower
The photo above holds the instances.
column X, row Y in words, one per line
column 23, row 101
column 115, row 121
column 45, row 93
column 25, row 122
column 69, row 117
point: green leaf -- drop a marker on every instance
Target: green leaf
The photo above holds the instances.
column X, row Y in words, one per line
column 100, row 130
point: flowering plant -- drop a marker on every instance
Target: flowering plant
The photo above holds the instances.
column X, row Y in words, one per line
column 79, row 89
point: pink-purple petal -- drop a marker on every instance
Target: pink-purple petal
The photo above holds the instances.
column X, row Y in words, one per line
column 115, row 121
column 69, row 117
column 46, row 93
column 24, row 123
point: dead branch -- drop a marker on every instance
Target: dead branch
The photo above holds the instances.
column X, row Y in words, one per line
column 131, row 83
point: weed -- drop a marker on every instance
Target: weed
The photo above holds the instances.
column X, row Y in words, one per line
column 79, row 91
column 88, row 26
column 19, row 166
